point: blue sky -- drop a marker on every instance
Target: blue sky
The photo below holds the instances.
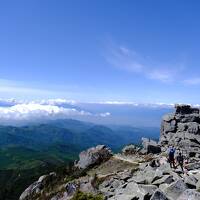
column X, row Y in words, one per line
column 100, row 50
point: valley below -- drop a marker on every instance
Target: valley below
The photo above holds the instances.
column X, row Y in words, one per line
column 29, row 151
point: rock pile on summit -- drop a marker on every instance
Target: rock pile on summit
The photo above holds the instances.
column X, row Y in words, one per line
column 182, row 129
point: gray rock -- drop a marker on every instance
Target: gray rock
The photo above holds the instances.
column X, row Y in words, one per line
column 169, row 126
column 189, row 194
column 192, row 166
column 159, row 195
column 130, row 149
column 186, row 109
column 127, row 191
column 145, row 176
column 182, row 129
column 193, row 127
column 153, row 149
column 158, row 174
column 37, row 186
column 125, row 175
column 175, row 189
column 86, row 184
column 163, row 186
column 198, row 185
column 134, row 191
column 165, row 168
column 168, row 118
column 190, row 181
column 93, row 156
column 165, row 179
column 32, row 190
column 148, row 189
column 151, row 146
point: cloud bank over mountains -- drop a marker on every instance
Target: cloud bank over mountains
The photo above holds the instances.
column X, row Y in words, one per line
column 14, row 111
column 22, row 112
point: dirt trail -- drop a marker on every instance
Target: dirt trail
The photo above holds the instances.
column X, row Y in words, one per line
column 127, row 159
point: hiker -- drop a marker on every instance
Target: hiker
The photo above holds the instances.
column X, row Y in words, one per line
column 171, row 157
column 180, row 160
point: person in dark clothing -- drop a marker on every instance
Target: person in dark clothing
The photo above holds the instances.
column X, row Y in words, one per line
column 171, row 157
column 180, row 160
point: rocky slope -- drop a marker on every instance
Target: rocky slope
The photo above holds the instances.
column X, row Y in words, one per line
column 134, row 174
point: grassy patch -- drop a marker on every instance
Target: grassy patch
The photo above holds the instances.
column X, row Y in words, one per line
column 111, row 166
column 85, row 196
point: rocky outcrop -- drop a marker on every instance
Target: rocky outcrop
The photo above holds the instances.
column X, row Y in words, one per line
column 130, row 149
column 37, row 186
column 182, row 129
column 150, row 146
column 93, row 156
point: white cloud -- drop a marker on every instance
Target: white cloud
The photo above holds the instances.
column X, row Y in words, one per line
column 124, row 58
column 29, row 112
column 161, row 75
column 53, row 102
column 104, row 114
column 56, row 102
column 118, row 103
column 127, row 59
column 37, row 111
column 124, row 103
column 192, row 81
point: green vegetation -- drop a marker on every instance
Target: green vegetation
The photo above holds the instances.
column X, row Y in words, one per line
column 20, row 166
column 85, row 196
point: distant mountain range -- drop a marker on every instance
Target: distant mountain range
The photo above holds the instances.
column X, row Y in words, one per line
column 73, row 135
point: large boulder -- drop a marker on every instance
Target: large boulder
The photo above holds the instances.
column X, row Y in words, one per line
column 37, row 186
column 150, row 146
column 133, row 190
column 93, row 156
column 191, row 181
column 164, row 179
column 175, row 189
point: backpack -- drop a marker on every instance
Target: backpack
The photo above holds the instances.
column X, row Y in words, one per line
column 171, row 152
column 180, row 159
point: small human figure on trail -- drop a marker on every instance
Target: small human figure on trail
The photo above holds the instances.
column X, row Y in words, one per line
column 180, row 160
column 171, row 157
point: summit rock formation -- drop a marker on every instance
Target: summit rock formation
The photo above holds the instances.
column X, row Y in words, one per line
column 182, row 129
